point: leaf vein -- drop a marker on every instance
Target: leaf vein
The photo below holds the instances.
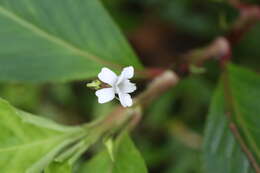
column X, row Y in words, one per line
column 54, row 39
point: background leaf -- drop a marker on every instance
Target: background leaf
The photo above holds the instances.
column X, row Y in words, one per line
column 58, row 40
column 29, row 143
column 239, row 96
column 57, row 167
column 127, row 159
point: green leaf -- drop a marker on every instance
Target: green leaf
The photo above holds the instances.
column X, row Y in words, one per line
column 184, row 159
column 29, row 143
column 59, row 40
column 238, row 95
column 127, row 159
column 215, row 18
column 57, row 167
column 65, row 161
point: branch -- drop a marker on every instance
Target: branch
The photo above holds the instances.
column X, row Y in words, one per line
column 249, row 16
column 157, row 87
column 219, row 49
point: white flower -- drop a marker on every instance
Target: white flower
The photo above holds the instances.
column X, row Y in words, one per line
column 120, row 85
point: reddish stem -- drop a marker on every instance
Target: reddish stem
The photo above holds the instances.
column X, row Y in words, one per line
column 249, row 16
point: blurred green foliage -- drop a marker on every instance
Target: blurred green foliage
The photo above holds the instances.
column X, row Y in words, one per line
column 200, row 18
column 247, row 51
column 156, row 136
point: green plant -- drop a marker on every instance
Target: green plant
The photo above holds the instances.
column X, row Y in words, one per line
column 59, row 41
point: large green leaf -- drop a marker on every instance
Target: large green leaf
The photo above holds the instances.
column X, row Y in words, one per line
column 237, row 95
column 46, row 40
column 29, row 143
column 126, row 159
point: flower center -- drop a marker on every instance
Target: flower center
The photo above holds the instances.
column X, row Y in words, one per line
column 118, row 87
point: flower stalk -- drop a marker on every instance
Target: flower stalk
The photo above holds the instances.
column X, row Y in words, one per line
column 129, row 117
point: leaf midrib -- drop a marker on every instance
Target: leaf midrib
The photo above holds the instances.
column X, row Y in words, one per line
column 245, row 130
column 234, row 107
column 54, row 39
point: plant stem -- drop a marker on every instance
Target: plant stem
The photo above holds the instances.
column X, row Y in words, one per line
column 120, row 116
column 157, row 87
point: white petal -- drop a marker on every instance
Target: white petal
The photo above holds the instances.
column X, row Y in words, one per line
column 125, row 99
column 105, row 95
column 127, row 73
column 126, row 87
column 107, row 76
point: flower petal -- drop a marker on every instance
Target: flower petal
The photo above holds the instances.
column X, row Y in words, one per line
column 105, row 95
column 107, row 76
column 125, row 99
column 126, row 87
column 127, row 73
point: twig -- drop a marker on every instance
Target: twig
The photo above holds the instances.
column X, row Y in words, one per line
column 156, row 88
column 249, row 15
column 218, row 49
